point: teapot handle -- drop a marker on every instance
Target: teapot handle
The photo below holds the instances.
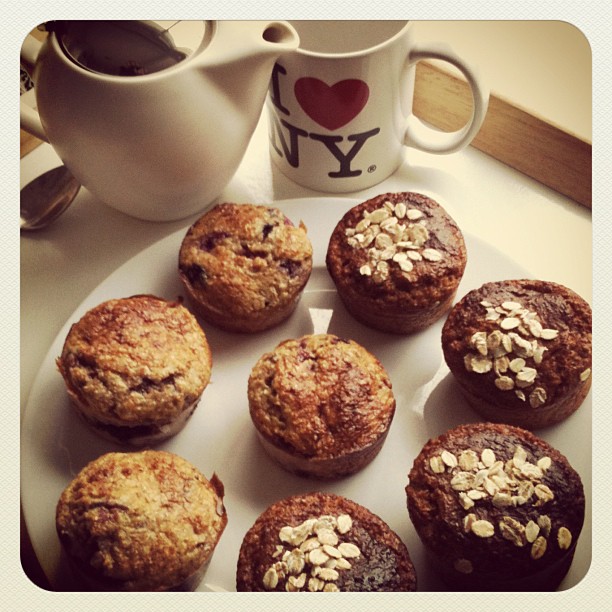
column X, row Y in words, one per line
column 28, row 115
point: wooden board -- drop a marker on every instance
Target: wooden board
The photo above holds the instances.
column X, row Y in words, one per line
column 514, row 136
column 27, row 142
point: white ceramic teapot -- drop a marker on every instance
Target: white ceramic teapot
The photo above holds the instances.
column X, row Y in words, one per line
column 149, row 128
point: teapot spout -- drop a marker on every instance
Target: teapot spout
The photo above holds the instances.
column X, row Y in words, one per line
column 281, row 33
column 231, row 42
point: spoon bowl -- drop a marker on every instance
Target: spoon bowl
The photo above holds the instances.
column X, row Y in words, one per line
column 46, row 197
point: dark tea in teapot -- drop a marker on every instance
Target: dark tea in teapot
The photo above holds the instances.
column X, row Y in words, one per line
column 127, row 48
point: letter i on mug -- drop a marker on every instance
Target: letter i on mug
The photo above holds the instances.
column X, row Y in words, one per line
column 340, row 107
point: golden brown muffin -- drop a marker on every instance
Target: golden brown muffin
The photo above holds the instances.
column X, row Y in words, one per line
column 244, row 266
column 141, row 521
column 135, row 368
column 520, row 351
column 322, row 542
column 397, row 260
column 322, row 405
column 497, row 508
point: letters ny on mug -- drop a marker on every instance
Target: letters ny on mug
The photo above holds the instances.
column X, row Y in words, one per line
column 330, row 106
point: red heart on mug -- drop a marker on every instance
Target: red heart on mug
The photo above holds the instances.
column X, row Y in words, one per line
column 331, row 106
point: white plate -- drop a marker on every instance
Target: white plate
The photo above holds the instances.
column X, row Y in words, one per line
column 220, row 437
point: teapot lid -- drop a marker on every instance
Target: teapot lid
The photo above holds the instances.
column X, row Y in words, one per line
column 128, row 48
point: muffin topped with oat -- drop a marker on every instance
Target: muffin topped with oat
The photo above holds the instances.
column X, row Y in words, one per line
column 497, row 508
column 321, row 542
column 520, row 351
column 397, row 260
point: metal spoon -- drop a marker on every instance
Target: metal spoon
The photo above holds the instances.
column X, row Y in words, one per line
column 46, row 197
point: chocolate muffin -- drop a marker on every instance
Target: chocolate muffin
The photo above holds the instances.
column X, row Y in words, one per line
column 497, row 508
column 322, row 542
column 520, row 351
column 136, row 367
column 244, row 266
column 397, row 260
column 322, row 405
column 140, row 521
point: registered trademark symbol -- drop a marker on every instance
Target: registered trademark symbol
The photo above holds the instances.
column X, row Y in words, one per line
column 372, row 168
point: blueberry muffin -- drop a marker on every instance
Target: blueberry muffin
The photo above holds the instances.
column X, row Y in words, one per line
column 520, row 350
column 140, row 521
column 322, row 542
column 497, row 508
column 136, row 367
column 244, row 267
column 397, row 260
column 322, row 406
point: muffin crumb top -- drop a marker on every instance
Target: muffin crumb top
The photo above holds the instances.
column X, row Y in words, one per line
column 320, row 395
column 136, row 360
column 242, row 259
column 147, row 519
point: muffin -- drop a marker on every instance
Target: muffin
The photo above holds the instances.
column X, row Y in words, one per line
column 136, row 367
column 497, row 508
column 140, row 521
column 322, row 542
column 321, row 405
column 396, row 261
column 244, row 267
column 520, row 350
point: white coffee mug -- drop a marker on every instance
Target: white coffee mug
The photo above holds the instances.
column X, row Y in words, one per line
column 340, row 107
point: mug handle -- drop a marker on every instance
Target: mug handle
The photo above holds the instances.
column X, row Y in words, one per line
column 420, row 136
column 28, row 116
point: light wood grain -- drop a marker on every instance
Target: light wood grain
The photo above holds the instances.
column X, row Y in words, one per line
column 514, row 136
column 27, row 142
